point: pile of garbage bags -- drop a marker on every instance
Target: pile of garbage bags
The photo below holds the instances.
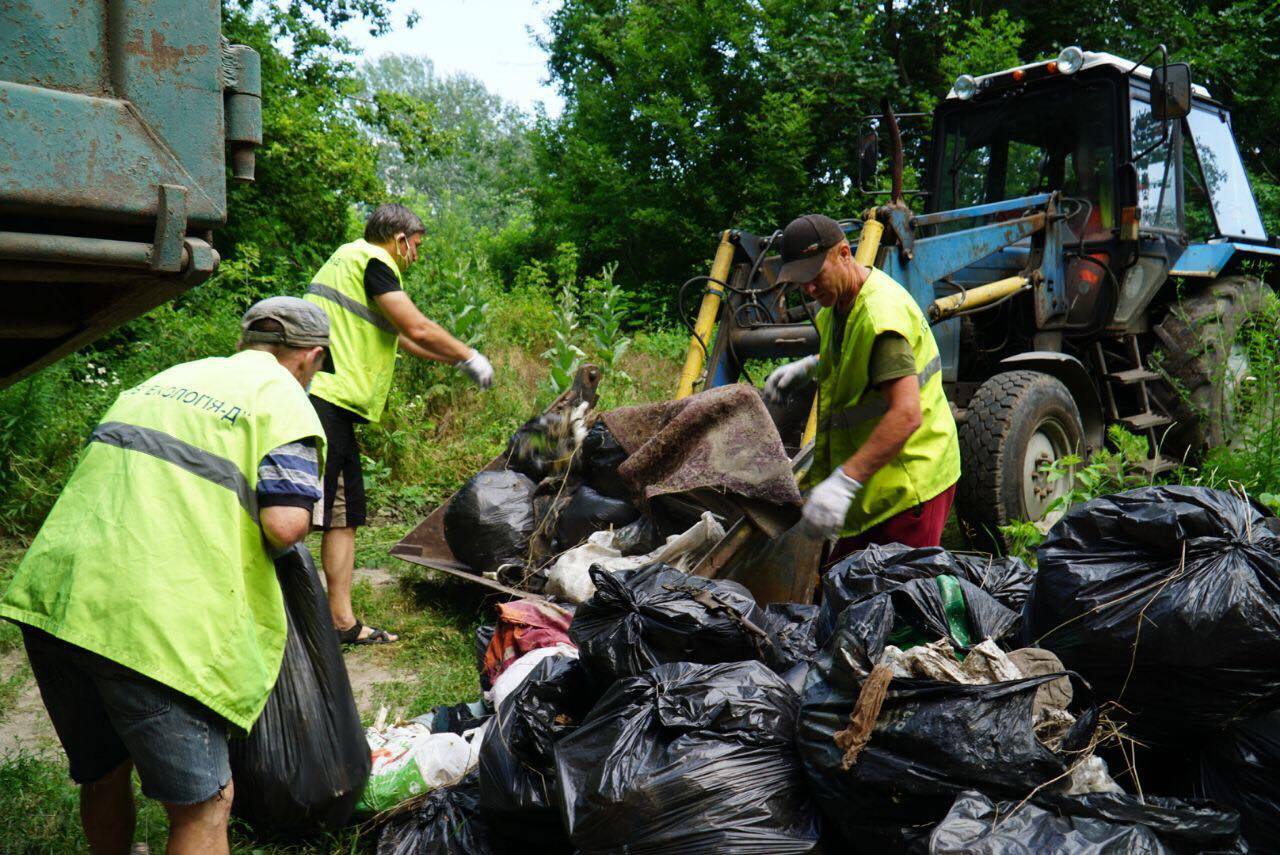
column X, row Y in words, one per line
column 1120, row 694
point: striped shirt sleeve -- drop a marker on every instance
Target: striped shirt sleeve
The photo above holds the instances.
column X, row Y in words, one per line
column 290, row 475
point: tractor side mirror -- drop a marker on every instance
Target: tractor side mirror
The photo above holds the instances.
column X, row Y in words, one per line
column 1171, row 91
column 868, row 158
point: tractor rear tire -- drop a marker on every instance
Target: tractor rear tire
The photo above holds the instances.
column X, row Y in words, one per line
column 1016, row 422
column 1202, row 362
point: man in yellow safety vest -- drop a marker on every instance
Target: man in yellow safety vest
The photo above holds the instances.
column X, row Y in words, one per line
column 361, row 288
column 886, row 455
column 148, row 600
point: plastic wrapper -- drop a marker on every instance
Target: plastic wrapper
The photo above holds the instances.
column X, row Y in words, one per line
column 601, row 456
column 688, row 759
column 1099, row 825
column 489, row 521
column 1240, row 768
column 882, row 568
column 588, row 512
column 1166, row 599
column 303, row 765
column 655, row 614
column 518, row 790
column 409, row 759
column 447, row 822
column 931, row 740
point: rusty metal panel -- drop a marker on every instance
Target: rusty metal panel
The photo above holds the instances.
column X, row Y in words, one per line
column 60, row 44
column 114, row 134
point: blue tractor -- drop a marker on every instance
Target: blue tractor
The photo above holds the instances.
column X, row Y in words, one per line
column 1087, row 256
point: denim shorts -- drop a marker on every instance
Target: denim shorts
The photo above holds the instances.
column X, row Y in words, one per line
column 106, row 714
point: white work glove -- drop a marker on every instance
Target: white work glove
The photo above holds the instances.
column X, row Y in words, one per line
column 789, row 376
column 478, row 369
column 829, row 502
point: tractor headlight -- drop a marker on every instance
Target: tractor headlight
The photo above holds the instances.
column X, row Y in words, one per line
column 965, row 87
column 1070, row 60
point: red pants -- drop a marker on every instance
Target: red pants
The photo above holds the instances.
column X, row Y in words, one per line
column 919, row 526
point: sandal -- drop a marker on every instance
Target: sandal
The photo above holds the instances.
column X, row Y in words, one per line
column 351, row 635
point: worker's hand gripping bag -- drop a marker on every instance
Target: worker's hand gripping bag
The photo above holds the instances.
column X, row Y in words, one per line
column 1167, row 600
column 687, row 759
column 305, row 762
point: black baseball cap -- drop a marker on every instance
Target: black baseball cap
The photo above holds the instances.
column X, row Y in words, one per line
column 302, row 325
column 805, row 242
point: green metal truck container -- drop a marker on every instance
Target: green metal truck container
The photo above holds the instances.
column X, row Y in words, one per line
column 118, row 121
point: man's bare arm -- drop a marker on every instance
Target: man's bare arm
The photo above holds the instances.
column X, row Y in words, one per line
column 891, row 434
column 421, row 336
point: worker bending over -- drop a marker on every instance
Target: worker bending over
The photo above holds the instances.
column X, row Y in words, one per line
column 148, row 601
column 886, row 456
column 361, row 288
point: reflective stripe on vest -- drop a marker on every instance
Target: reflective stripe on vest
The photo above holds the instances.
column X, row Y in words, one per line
column 358, row 309
column 170, row 449
column 877, row 406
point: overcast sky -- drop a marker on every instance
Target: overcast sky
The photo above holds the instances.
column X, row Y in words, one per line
column 488, row 39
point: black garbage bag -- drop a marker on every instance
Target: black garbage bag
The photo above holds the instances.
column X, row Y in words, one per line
column 637, row 538
column 304, row 764
column 519, row 795
column 1240, row 768
column 1101, row 823
column 688, row 759
column 931, row 740
column 488, row 522
column 589, row 512
column 654, row 614
column 882, row 568
column 1166, row 599
column 792, row 628
column 601, row 456
column 447, row 822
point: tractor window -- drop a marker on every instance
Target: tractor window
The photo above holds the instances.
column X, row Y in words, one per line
column 1225, row 179
column 1157, row 194
column 1057, row 138
column 1196, row 214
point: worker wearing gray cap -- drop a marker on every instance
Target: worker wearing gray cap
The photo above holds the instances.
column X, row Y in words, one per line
column 148, row 601
column 886, row 455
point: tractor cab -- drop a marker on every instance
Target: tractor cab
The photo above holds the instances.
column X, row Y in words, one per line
column 1141, row 178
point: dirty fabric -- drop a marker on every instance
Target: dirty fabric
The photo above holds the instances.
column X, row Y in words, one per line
column 523, row 626
column 721, row 439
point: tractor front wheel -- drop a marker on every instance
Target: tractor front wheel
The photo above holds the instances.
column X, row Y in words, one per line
column 1018, row 424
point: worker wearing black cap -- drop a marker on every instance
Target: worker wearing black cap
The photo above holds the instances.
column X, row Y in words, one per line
column 886, row 455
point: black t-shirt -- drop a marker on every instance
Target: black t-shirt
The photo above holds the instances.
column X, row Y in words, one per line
column 379, row 279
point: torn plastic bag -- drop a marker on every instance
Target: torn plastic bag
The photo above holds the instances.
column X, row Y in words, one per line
column 882, row 568
column 655, row 614
column 601, row 456
column 518, row 790
column 589, row 511
column 1240, row 768
column 1167, row 600
column 303, row 765
column 1114, row 825
column 931, row 740
column 488, row 522
column 446, row 822
column 688, row 759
